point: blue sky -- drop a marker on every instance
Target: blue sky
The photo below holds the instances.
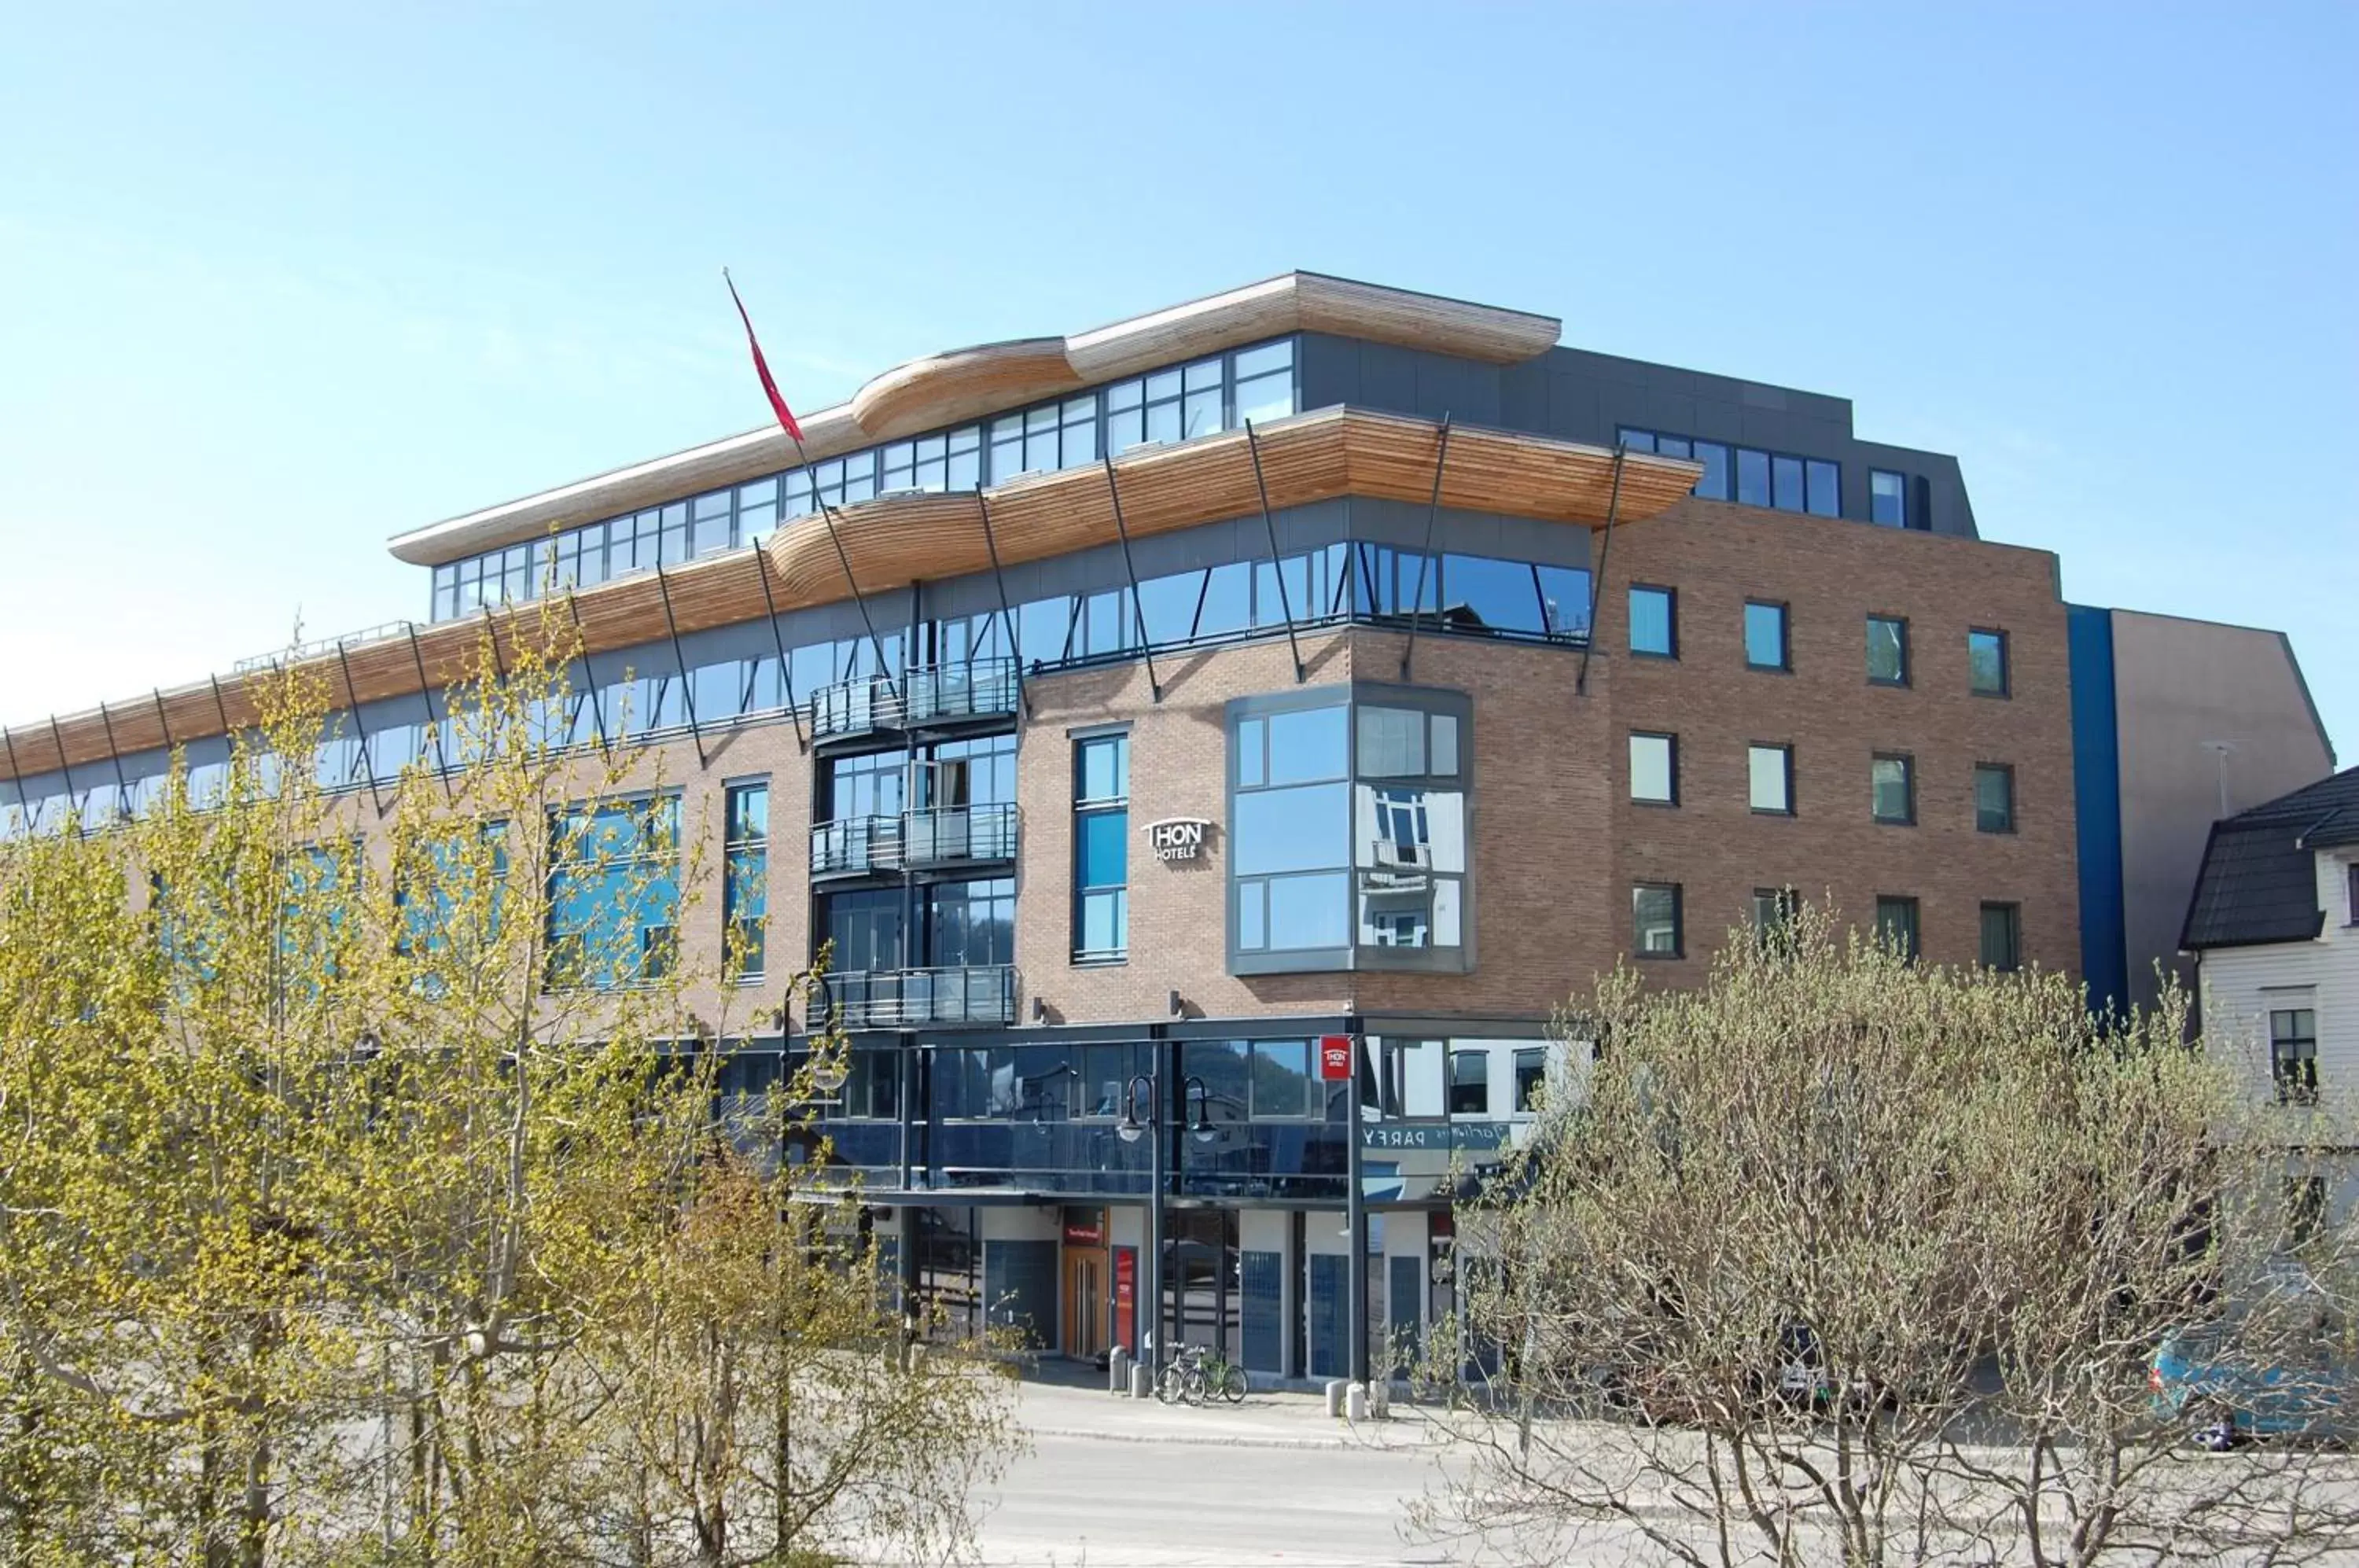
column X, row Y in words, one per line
column 276, row 284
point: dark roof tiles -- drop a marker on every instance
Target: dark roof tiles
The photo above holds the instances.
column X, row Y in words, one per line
column 2259, row 882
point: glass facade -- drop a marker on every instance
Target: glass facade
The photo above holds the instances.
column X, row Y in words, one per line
column 1101, row 849
column 1747, row 474
column 1218, row 393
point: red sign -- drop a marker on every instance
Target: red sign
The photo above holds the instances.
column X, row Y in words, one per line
column 1336, row 1056
column 1125, row 1295
column 1084, row 1227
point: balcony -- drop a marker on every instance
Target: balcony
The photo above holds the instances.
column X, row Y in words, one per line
column 935, row 696
column 905, row 998
column 946, row 836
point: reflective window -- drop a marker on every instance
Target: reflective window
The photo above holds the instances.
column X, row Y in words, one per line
column 1470, row 1082
column 1824, row 489
column 744, row 893
column 1654, row 622
column 1888, row 499
column 1770, row 771
column 1892, row 789
column 1715, row 484
column 1283, row 1087
column 1752, row 477
column 1986, row 663
column 614, row 893
column 1887, row 650
column 971, row 924
column 1764, row 636
column 1531, row 1077
column 1994, row 798
column 2002, row 936
column 1896, row 924
column 1774, row 910
column 1655, row 919
column 1654, row 768
column 1102, row 848
column 1787, row 482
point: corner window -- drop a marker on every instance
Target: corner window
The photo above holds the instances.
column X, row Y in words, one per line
column 1887, row 650
column 2003, row 936
column 2293, row 1055
column 1655, row 919
column 1896, row 924
column 1764, row 637
column 1101, row 849
column 1654, row 622
column 1470, row 1082
column 1654, row 768
column 1892, row 789
column 1994, row 798
column 1770, row 771
column 1986, row 663
column 1888, row 499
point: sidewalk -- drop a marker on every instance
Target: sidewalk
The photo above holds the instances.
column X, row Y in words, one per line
column 1064, row 1407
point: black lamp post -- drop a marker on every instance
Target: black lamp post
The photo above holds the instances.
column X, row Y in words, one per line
column 1130, row 1129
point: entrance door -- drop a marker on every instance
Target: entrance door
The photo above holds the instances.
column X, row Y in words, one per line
column 1085, row 1302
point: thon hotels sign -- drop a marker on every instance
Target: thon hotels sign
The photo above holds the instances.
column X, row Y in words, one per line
column 1178, row 838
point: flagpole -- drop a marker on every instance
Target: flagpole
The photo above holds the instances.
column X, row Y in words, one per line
column 826, row 515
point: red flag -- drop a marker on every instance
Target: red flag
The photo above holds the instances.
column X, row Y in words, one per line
column 762, row 366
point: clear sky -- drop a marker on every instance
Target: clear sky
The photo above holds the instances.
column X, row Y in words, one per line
column 277, row 283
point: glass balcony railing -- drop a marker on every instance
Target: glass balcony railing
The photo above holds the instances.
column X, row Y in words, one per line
column 936, row 695
column 946, row 835
column 896, row 998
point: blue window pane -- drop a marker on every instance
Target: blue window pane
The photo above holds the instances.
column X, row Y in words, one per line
column 1636, row 441
column 1253, row 926
column 1227, row 601
column 1307, row 743
column 1786, row 484
column 1252, row 751
column 1752, row 477
column 1671, row 446
column 1764, row 636
column 1101, row 857
column 1043, row 629
column 1105, row 922
column 1564, row 600
column 1169, row 603
column 1309, row 911
column 1483, row 594
column 1713, row 485
column 1825, row 482
column 1652, row 628
column 1106, row 768
column 1302, row 829
column 1888, row 499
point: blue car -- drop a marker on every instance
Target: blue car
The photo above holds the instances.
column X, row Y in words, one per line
column 2224, row 1398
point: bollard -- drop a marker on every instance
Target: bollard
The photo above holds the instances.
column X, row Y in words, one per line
column 1142, row 1383
column 1355, row 1403
column 1380, row 1400
column 1335, row 1396
column 1118, row 1371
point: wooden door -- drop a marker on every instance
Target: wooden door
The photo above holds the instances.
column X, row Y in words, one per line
column 1085, row 1302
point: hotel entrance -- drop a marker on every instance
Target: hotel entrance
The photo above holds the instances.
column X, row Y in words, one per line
column 1086, row 1296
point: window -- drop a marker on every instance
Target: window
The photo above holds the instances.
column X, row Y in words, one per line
column 1774, row 911
column 872, row 1085
column 1101, row 849
column 1764, row 637
column 1892, row 789
column 2304, row 1209
column 2002, row 936
column 1986, row 663
column 614, row 893
column 1655, row 919
column 1654, row 768
column 2351, row 894
column 2293, row 1055
column 1771, row 771
column 1283, row 1088
column 1531, row 1077
column 1888, row 499
column 1896, row 924
column 1290, row 829
column 1654, row 622
column 1887, row 650
column 1994, row 798
column 745, row 894
column 1470, row 1082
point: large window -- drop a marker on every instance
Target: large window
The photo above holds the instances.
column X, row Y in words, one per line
column 1102, row 848
column 1654, row 768
column 1347, row 831
column 1655, row 919
column 1764, row 637
column 1655, row 622
column 1887, row 650
column 2293, row 1054
column 1770, row 776
column 1892, row 789
column 1781, row 480
column 1220, row 392
column 614, row 893
column 1994, row 798
column 745, row 894
column 2002, row 936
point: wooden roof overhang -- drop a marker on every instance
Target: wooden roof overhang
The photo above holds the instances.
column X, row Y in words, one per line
column 896, row 539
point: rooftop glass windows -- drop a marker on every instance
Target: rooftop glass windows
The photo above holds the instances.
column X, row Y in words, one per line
column 1752, row 477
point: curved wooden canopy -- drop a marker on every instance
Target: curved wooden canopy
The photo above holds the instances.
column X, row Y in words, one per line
column 897, row 539
column 949, row 388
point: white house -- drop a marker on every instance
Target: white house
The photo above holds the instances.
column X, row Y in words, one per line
column 2275, row 928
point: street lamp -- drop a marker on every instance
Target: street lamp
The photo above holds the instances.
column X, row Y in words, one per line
column 1130, row 1129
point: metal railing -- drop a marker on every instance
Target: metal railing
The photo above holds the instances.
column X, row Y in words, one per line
column 317, row 647
column 888, row 998
column 945, row 835
column 856, row 847
column 932, row 694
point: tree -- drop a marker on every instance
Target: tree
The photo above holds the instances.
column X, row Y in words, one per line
column 1846, row 1258
column 368, row 1193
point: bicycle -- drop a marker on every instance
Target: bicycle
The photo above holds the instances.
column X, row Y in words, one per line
column 1195, row 1374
